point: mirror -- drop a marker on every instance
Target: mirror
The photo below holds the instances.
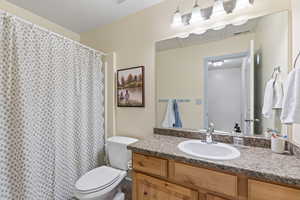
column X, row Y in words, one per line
column 221, row 76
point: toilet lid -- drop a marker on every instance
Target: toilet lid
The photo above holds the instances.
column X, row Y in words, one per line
column 98, row 179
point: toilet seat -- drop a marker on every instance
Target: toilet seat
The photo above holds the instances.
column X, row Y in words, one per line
column 100, row 193
column 98, row 179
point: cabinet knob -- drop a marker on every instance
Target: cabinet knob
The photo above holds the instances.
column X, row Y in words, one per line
column 145, row 193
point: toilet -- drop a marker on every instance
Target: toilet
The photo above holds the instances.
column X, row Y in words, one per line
column 103, row 183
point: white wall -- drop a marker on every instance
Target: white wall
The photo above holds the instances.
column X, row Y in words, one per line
column 110, row 117
column 20, row 12
column 133, row 39
column 186, row 66
column 296, row 49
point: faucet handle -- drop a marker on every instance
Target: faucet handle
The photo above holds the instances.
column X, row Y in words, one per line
column 211, row 128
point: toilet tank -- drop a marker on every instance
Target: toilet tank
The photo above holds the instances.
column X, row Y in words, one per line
column 118, row 154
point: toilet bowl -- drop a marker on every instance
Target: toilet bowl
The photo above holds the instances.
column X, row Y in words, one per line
column 100, row 184
column 103, row 183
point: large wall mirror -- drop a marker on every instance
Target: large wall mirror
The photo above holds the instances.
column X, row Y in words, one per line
column 221, row 76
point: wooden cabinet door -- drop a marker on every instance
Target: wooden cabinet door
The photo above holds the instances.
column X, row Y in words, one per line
column 149, row 188
column 258, row 190
column 212, row 197
column 191, row 176
column 150, row 165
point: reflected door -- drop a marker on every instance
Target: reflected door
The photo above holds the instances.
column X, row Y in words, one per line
column 224, row 97
column 248, row 88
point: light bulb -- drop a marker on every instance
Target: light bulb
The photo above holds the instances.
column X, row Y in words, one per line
column 183, row 35
column 199, row 31
column 219, row 26
column 258, row 59
column 196, row 15
column 218, row 9
column 240, row 20
column 218, row 63
column 177, row 19
column 241, row 4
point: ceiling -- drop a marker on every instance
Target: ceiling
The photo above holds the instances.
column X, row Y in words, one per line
column 83, row 15
column 207, row 37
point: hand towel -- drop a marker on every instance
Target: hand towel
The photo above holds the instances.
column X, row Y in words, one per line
column 268, row 99
column 169, row 119
column 278, row 93
column 178, row 123
column 291, row 101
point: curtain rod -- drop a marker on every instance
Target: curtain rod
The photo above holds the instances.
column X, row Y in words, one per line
column 50, row 32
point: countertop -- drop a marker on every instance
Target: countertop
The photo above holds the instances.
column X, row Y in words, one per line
column 254, row 162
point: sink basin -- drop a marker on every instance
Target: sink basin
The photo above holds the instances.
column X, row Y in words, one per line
column 216, row 151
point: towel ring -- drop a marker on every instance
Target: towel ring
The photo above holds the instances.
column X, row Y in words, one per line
column 297, row 57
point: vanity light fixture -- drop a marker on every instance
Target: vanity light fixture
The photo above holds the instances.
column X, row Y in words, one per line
column 241, row 4
column 218, row 9
column 196, row 14
column 177, row 19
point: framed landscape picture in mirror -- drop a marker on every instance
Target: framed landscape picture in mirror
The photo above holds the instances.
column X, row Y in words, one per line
column 130, row 87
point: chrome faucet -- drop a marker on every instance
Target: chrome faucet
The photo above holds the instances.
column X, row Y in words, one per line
column 209, row 134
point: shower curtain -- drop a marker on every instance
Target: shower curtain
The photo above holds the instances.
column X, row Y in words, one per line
column 51, row 112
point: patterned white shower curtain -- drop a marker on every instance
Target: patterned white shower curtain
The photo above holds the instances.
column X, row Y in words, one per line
column 51, row 112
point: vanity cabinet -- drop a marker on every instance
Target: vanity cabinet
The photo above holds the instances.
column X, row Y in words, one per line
column 150, row 165
column 149, row 188
column 156, row 178
column 265, row 191
column 211, row 197
column 203, row 178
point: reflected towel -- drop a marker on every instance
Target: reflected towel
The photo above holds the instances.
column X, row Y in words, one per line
column 178, row 123
column 268, row 99
column 278, row 94
column 291, row 101
column 169, row 119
